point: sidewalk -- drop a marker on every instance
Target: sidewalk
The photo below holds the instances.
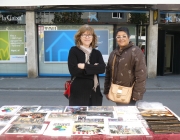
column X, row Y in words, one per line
column 169, row 82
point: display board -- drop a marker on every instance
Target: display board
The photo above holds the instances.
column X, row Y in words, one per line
column 12, row 46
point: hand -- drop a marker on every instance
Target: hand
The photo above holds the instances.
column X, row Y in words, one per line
column 96, row 63
column 107, row 96
column 134, row 99
column 81, row 65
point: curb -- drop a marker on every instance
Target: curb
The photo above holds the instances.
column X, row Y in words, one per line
column 62, row 89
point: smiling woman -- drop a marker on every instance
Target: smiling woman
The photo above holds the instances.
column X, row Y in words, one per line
column 126, row 67
column 85, row 63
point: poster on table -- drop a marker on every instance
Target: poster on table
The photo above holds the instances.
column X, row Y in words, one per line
column 12, row 46
column 58, row 43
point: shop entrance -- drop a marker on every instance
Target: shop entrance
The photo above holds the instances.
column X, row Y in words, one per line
column 168, row 55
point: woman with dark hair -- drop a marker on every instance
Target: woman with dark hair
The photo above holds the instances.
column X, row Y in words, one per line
column 85, row 63
column 129, row 67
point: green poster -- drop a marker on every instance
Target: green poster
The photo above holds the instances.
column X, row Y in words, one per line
column 4, row 46
column 16, row 40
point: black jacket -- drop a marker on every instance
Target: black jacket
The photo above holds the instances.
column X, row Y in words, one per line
column 82, row 86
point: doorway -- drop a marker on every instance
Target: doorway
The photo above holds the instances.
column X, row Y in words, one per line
column 169, row 51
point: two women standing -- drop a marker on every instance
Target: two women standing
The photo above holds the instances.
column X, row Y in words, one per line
column 85, row 63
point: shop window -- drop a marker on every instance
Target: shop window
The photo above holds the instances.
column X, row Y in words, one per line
column 117, row 15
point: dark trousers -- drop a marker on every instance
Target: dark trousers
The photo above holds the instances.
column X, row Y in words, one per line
column 90, row 102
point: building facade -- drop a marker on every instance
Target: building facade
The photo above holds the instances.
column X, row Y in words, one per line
column 35, row 42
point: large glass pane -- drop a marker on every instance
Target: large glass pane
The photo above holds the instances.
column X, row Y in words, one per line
column 12, row 50
column 56, row 40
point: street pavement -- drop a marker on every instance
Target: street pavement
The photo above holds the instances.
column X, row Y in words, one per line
column 48, row 91
column 169, row 82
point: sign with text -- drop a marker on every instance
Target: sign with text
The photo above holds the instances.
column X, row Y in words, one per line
column 12, row 46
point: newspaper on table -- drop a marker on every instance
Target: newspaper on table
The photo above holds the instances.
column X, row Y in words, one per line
column 26, row 129
column 127, row 128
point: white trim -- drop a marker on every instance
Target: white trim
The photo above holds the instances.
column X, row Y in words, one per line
column 81, row 2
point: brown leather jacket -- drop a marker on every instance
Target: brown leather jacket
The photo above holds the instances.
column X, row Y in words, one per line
column 129, row 66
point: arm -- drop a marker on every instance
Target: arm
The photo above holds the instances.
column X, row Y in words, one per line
column 140, row 76
column 98, row 67
column 72, row 64
column 107, row 82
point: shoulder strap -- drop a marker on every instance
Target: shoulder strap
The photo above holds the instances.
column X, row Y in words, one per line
column 113, row 67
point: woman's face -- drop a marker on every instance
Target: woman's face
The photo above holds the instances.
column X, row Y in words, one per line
column 122, row 39
column 86, row 39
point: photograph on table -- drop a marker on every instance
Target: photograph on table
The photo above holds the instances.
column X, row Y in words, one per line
column 26, row 129
column 56, row 116
column 75, row 109
column 30, row 118
column 51, row 109
column 88, row 129
column 59, row 128
column 100, row 108
column 6, row 119
column 9, row 109
column 28, row 109
column 127, row 128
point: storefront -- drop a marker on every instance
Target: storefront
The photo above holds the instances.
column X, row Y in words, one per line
column 13, row 61
column 168, row 43
column 55, row 31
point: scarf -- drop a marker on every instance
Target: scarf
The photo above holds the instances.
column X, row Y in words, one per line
column 87, row 52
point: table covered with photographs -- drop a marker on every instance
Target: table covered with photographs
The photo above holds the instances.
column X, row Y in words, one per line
column 83, row 122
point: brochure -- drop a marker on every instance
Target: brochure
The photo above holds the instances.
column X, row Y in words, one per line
column 9, row 109
column 59, row 128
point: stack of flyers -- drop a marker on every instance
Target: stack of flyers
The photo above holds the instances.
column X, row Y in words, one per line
column 51, row 109
column 59, row 128
column 9, row 109
column 26, row 129
column 26, row 109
